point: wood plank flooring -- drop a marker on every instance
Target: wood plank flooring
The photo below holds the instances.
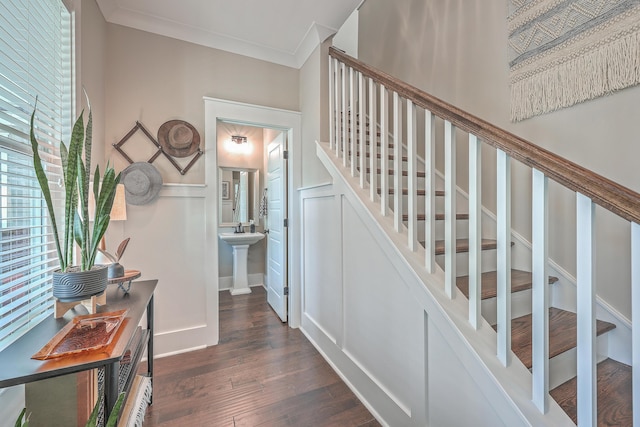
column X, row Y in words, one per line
column 261, row 374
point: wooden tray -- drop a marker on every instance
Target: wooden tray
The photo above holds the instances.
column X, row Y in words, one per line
column 83, row 333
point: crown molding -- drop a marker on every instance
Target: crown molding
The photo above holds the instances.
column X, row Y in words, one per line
column 315, row 35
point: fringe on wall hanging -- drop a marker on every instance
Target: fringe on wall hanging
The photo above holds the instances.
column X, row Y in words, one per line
column 562, row 52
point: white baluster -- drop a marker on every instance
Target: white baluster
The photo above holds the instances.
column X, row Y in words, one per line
column 373, row 139
column 384, row 151
column 503, row 222
column 475, row 232
column 540, row 292
column 450, row 209
column 332, row 101
column 412, row 166
column 397, row 162
column 337, row 104
column 362, row 120
column 343, row 122
column 353, row 85
column 430, row 188
column 586, row 316
column 635, row 311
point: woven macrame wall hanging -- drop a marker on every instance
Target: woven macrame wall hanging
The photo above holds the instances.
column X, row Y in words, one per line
column 562, row 52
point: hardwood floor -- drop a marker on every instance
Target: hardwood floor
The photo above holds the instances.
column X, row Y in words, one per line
column 261, row 374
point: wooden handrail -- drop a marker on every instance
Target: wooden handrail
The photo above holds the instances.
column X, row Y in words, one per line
column 614, row 197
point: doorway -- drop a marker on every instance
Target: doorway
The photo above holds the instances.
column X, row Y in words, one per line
column 288, row 123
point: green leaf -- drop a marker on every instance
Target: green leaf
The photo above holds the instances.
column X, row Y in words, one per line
column 113, row 417
column 44, row 186
column 19, row 422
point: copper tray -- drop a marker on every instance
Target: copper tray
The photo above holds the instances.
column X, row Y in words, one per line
column 83, row 333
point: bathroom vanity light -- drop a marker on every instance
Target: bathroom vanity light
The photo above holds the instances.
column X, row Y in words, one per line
column 238, row 144
column 239, row 139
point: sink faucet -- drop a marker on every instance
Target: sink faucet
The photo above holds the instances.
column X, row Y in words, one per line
column 239, row 228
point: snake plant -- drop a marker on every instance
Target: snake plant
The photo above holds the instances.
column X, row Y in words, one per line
column 76, row 173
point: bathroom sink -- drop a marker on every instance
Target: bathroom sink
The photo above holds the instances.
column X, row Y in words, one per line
column 241, row 238
column 240, row 243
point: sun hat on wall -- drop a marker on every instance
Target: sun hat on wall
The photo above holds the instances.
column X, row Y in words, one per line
column 142, row 183
column 178, row 138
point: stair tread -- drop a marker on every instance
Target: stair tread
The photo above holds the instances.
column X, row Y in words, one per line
column 462, row 245
column 439, row 217
column 404, row 158
column 562, row 333
column 406, row 192
column 615, row 401
column 419, row 174
column 520, row 281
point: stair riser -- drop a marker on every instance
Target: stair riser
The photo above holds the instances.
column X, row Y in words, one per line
column 563, row 367
column 520, row 305
column 487, row 260
column 462, row 204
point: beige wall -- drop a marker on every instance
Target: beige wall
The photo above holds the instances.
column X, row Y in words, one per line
column 91, row 70
column 456, row 50
column 315, row 121
column 153, row 79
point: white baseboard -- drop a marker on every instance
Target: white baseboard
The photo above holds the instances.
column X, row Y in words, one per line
column 179, row 341
column 226, row 283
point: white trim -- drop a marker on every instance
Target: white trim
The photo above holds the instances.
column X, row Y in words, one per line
column 183, row 190
column 262, row 116
column 180, row 340
column 225, row 283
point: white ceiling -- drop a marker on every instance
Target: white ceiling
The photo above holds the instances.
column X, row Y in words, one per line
column 281, row 31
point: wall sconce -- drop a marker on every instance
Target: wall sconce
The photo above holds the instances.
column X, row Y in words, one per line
column 239, row 139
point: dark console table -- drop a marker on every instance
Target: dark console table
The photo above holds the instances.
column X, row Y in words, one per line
column 17, row 367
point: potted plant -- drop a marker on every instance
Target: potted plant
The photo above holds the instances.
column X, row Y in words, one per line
column 77, row 282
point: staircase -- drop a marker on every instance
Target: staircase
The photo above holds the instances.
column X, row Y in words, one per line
column 374, row 134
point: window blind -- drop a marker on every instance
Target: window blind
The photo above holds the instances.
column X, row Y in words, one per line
column 35, row 61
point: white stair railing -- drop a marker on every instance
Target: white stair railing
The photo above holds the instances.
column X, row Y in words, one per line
column 355, row 86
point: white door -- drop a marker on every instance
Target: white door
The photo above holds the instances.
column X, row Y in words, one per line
column 277, row 236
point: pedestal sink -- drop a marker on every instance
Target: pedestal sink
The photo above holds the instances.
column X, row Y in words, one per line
column 240, row 243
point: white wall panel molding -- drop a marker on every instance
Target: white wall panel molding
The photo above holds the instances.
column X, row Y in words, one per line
column 475, row 349
column 255, row 279
column 179, row 341
column 183, row 190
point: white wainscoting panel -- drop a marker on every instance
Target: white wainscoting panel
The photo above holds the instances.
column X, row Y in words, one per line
column 450, row 384
column 322, row 293
column 381, row 319
column 168, row 244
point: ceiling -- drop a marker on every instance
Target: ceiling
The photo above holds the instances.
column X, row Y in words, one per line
column 281, row 31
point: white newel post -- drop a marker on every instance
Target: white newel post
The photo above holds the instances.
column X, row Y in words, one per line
column 540, row 292
column 503, row 234
column 586, row 313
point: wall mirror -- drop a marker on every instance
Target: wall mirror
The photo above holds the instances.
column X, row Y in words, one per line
column 238, row 196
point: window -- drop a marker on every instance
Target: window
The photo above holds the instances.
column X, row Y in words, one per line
column 35, row 60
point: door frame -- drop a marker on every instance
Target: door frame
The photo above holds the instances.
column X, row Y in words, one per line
column 266, row 117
